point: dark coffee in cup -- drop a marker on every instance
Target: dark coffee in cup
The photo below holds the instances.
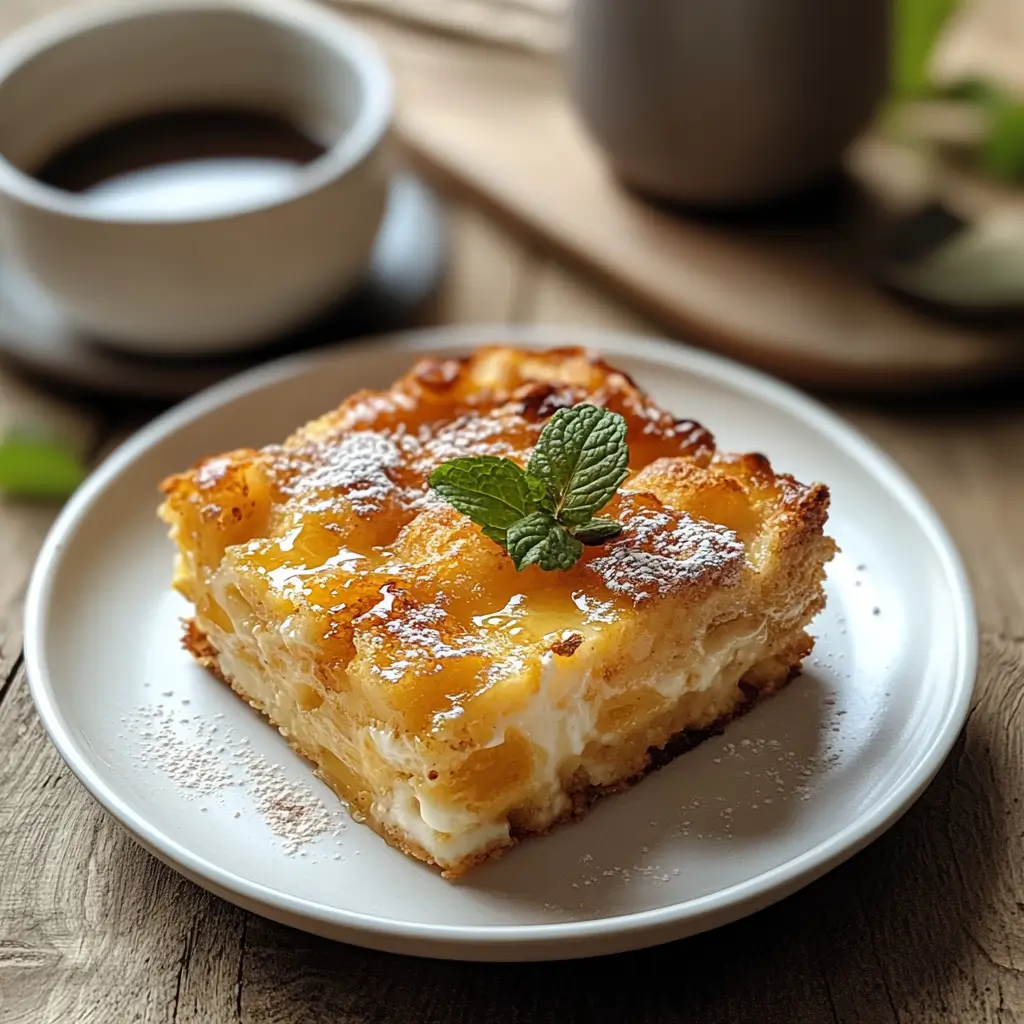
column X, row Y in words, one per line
column 187, row 162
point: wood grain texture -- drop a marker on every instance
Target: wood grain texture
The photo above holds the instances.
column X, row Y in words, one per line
column 486, row 272
column 23, row 526
column 535, row 25
column 926, row 925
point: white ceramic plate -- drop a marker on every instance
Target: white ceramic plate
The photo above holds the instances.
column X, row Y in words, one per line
column 800, row 784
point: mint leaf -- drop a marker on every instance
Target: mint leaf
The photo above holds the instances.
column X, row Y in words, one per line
column 582, row 458
column 500, row 537
column 539, row 539
column 493, row 492
column 38, row 469
column 545, row 514
column 538, row 491
column 596, row 531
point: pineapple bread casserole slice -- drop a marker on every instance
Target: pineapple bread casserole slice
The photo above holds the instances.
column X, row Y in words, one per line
column 473, row 631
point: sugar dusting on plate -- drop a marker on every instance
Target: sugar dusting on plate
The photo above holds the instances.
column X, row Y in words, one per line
column 205, row 758
column 776, row 776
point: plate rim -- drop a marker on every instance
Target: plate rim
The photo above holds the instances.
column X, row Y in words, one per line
column 556, row 940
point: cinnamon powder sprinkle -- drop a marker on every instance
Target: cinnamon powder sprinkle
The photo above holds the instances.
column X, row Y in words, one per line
column 203, row 758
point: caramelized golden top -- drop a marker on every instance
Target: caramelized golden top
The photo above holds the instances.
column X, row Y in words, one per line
column 338, row 524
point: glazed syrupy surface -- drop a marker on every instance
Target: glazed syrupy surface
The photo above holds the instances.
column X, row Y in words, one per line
column 339, row 524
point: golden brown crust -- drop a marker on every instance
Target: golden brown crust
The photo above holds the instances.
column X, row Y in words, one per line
column 195, row 641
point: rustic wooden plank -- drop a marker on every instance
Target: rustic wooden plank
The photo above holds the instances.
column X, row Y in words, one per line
column 22, row 529
column 969, row 459
column 79, row 898
column 53, row 838
column 93, row 929
column 563, row 297
column 536, row 25
column 485, row 273
column 703, row 980
column 210, row 972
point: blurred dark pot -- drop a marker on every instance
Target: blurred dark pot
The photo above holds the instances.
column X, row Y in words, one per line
column 727, row 102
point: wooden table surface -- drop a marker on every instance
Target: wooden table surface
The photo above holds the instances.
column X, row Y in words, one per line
column 926, row 925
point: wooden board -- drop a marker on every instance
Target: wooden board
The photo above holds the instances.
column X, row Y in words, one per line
column 533, row 25
column 495, row 126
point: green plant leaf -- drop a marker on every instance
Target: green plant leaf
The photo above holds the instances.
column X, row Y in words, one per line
column 539, row 539
column 1002, row 155
column 38, row 469
column 493, row 492
column 538, row 491
column 499, row 537
column 582, row 458
column 918, row 24
column 596, row 531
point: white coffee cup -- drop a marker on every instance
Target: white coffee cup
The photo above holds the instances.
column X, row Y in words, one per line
column 218, row 281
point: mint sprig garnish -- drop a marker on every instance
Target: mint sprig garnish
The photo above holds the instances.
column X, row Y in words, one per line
column 543, row 515
column 540, row 539
column 493, row 492
column 597, row 531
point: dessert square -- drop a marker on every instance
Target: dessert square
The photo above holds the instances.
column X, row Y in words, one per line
column 455, row 703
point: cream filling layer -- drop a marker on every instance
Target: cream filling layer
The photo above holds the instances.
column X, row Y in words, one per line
column 561, row 724
column 273, row 666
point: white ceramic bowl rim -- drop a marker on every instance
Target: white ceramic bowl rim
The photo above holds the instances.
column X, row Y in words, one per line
column 752, row 894
column 356, row 143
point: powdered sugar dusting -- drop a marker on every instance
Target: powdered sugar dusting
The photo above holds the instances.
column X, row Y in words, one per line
column 472, row 434
column 360, row 465
column 289, row 808
column 660, row 553
column 204, row 759
column 356, row 466
column 199, row 768
column 418, row 633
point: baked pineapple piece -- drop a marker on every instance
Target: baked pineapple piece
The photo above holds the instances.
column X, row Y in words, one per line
column 457, row 704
